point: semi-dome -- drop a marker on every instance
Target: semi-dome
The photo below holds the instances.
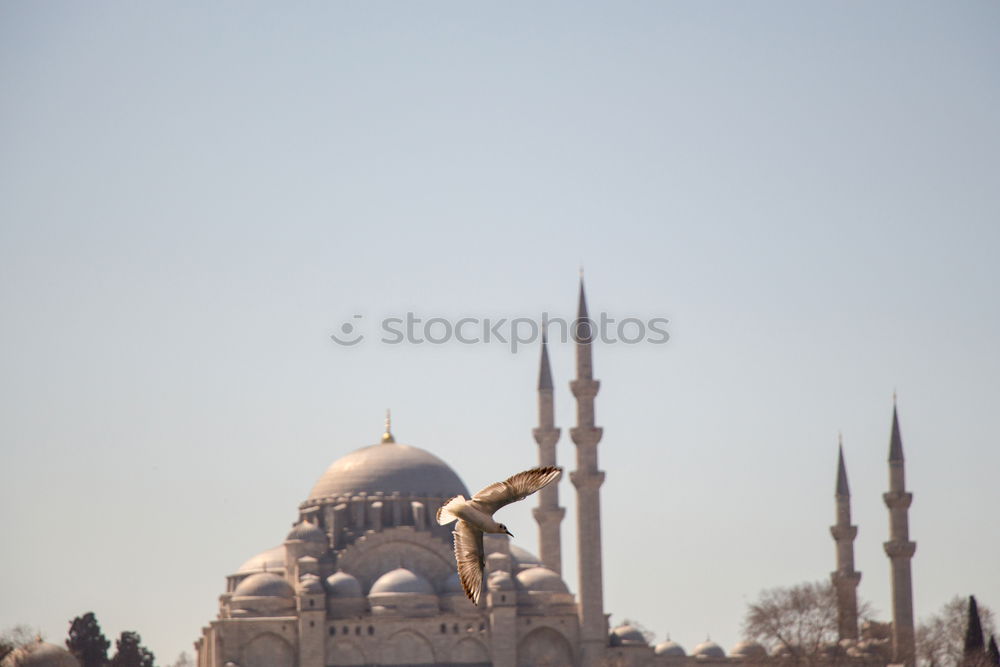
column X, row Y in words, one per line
column 389, row 468
column 310, row 583
column 523, row 558
column 627, row 635
column 708, row 649
column 748, row 649
column 401, row 580
column 541, row 579
column 40, row 654
column 307, row 532
column 670, row 649
column 343, row 585
column 272, row 559
column 264, row 585
column 500, row 581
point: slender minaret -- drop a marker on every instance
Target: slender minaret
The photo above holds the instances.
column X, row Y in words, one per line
column 548, row 514
column 588, row 479
column 845, row 579
column 900, row 549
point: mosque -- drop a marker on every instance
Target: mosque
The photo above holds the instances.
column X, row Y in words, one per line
column 367, row 577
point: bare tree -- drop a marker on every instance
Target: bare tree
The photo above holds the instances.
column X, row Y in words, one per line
column 798, row 622
column 941, row 637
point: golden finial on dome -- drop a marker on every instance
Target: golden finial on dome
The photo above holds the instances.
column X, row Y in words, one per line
column 387, row 436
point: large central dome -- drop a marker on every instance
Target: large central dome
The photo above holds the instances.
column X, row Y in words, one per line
column 389, row 467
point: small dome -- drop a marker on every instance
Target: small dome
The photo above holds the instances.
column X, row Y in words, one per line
column 500, row 581
column 627, row 635
column 523, row 558
column 401, row 580
column 748, row 649
column 264, row 585
column 266, row 561
column 389, row 467
column 708, row 649
column 670, row 649
column 307, row 532
column 40, row 654
column 343, row 585
column 541, row 579
column 452, row 585
column 310, row 583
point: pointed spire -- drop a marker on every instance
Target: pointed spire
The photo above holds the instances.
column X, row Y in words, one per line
column 582, row 331
column 387, row 436
column 973, row 630
column 842, row 488
column 544, row 370
column 896, row 441
column 993, row 652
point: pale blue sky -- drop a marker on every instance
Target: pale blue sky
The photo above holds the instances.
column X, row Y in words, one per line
column 193, row 198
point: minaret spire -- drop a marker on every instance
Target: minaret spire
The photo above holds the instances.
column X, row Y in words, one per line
column 548, row 514
column 544, row 370
column 842, row 488
column 900, row 549
column 587, row 479
column 845, row 578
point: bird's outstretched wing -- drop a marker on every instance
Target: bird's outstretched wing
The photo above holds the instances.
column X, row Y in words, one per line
column 469, row 555
column 514, row 488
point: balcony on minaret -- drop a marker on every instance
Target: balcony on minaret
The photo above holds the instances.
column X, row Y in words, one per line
column 841, row 532
column 547, row 515
column 545, row 437
column 584, row 387
column 586, row 435
column 845, row 577
column 900, row 548
column 585, row 481
column 897, row 499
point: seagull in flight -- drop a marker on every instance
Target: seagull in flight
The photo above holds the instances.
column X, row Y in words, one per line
column 475, row 517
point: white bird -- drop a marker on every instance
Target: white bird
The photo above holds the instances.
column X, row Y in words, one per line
column 475, row 517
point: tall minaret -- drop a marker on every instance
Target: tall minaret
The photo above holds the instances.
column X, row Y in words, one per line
column 588, row 479
column 900, row 549
column 845, row 579
column 548, row 514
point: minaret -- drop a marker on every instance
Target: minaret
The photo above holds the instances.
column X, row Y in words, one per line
column 845, row 579
column 548, row 514
column 900, row 549
column 588, row 479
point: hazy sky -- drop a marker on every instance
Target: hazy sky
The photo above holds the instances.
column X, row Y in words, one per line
column 192, row 199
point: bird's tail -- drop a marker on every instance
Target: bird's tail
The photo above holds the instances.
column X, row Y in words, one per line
column 446, row 513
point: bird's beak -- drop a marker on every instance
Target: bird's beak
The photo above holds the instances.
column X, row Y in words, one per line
column 509, row 533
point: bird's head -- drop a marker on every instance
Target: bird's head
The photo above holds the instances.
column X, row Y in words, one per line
column 503, row 529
